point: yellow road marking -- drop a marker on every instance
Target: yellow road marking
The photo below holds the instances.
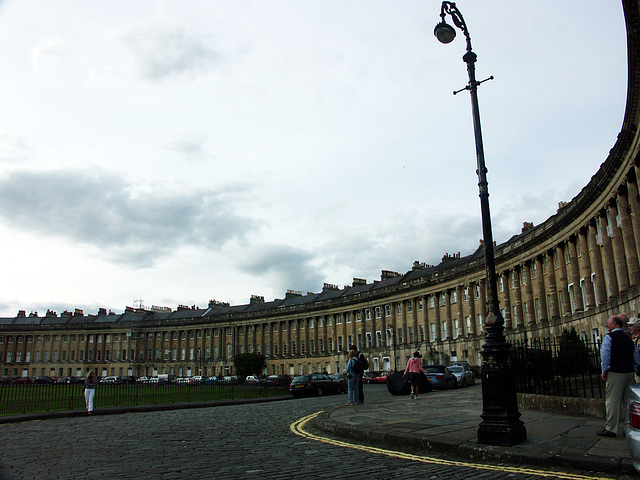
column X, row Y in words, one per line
column 297, row 427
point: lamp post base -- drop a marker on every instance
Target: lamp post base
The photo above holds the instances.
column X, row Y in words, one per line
column 501, row 424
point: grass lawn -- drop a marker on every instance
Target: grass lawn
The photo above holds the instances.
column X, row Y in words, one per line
column 20, row 399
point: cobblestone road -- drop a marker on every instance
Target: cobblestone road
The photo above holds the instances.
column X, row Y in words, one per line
column 222, row 443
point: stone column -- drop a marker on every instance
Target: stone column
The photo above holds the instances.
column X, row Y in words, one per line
column 563, row 284
column 554, row 301
column 595, row 256
column 608, row 263
column 618, row 249
column 447, row 314
column 628, row 240
column 425, row 319
column 436, row 320
column 634, row 205
column 540, row 290
column 575, row 274
column 528, row 294
column 462, row 328
column 519, row 320
column 506, row 301
column 414, row 320
column 585, row 268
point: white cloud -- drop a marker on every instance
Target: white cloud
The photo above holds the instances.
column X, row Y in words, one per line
column 161, row 49
column 191, row 146
column 13, row 149
column 48, row 53
column 131, row 226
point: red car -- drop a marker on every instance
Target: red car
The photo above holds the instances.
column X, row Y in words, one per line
column 382, row 378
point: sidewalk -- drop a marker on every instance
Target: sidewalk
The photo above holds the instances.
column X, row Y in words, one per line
column 448, row 422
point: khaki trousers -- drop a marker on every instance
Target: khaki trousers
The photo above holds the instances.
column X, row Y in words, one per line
column 617, row 398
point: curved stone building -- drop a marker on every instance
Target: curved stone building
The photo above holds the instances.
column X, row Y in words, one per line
column 574, row 270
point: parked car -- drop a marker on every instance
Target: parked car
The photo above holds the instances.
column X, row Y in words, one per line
column 184, row 380
column 252, row 379
column 313, row 384
column 278, row 380
column 231, row 379
column 382, row 377
column 154, row 381
column 198, row 379
column 22, row 381
column 4, row 381
column 464, row 377
column 65, row 380
column 111, row 380
column 128, row 379
column 142, row 380
column 342, row 381
column 370, row 377
column 43, row 380
column 440, row 377
column 212, row 379
column 465, row 365
column 632, row 430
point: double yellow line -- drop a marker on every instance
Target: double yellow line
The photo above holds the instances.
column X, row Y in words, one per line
column 298, row 428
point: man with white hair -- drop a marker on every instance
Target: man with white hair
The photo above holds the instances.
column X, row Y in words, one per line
column 620, row 361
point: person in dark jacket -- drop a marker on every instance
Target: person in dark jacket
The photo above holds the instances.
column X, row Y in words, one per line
column 359, row 357
column 620, row 361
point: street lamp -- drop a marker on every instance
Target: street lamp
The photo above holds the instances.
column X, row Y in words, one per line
column 501, row 424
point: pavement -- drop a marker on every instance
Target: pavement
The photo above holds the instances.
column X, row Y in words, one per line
column 448, row 422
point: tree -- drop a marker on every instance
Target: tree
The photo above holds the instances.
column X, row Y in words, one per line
column 249, row 364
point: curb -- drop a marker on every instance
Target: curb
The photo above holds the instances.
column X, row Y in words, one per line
column 476, row 452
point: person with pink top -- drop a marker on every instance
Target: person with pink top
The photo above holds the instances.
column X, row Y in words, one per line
column 414, row 369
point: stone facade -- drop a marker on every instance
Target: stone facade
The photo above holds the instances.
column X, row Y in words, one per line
column 574, row 270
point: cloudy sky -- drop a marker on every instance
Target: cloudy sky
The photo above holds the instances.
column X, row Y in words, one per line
column 178, row 152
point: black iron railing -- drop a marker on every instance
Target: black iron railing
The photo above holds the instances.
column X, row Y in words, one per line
column 557, row 367
column 20, row 398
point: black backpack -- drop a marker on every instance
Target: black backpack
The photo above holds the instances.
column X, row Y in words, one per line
column 361, row 365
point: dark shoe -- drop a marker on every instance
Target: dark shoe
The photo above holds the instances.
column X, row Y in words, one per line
column 605, row 433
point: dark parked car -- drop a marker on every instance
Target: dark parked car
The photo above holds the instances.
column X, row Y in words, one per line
column 440, row 377
column 313, row 384
column 21, row 381
column 342, row 381
column 65, row 380
column 128, row 379
column 278, row 380
column 43, row 380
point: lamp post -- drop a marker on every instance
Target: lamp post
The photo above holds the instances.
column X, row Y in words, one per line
column 501, row 424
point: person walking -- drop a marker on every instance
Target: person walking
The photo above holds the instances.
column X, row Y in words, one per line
column 415, row 370
column 353, row 379
column 620, row 361
column 90, row 390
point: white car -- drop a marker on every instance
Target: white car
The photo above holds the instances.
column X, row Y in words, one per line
column 252, row 379
column 632, row 431
column 198, row 379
